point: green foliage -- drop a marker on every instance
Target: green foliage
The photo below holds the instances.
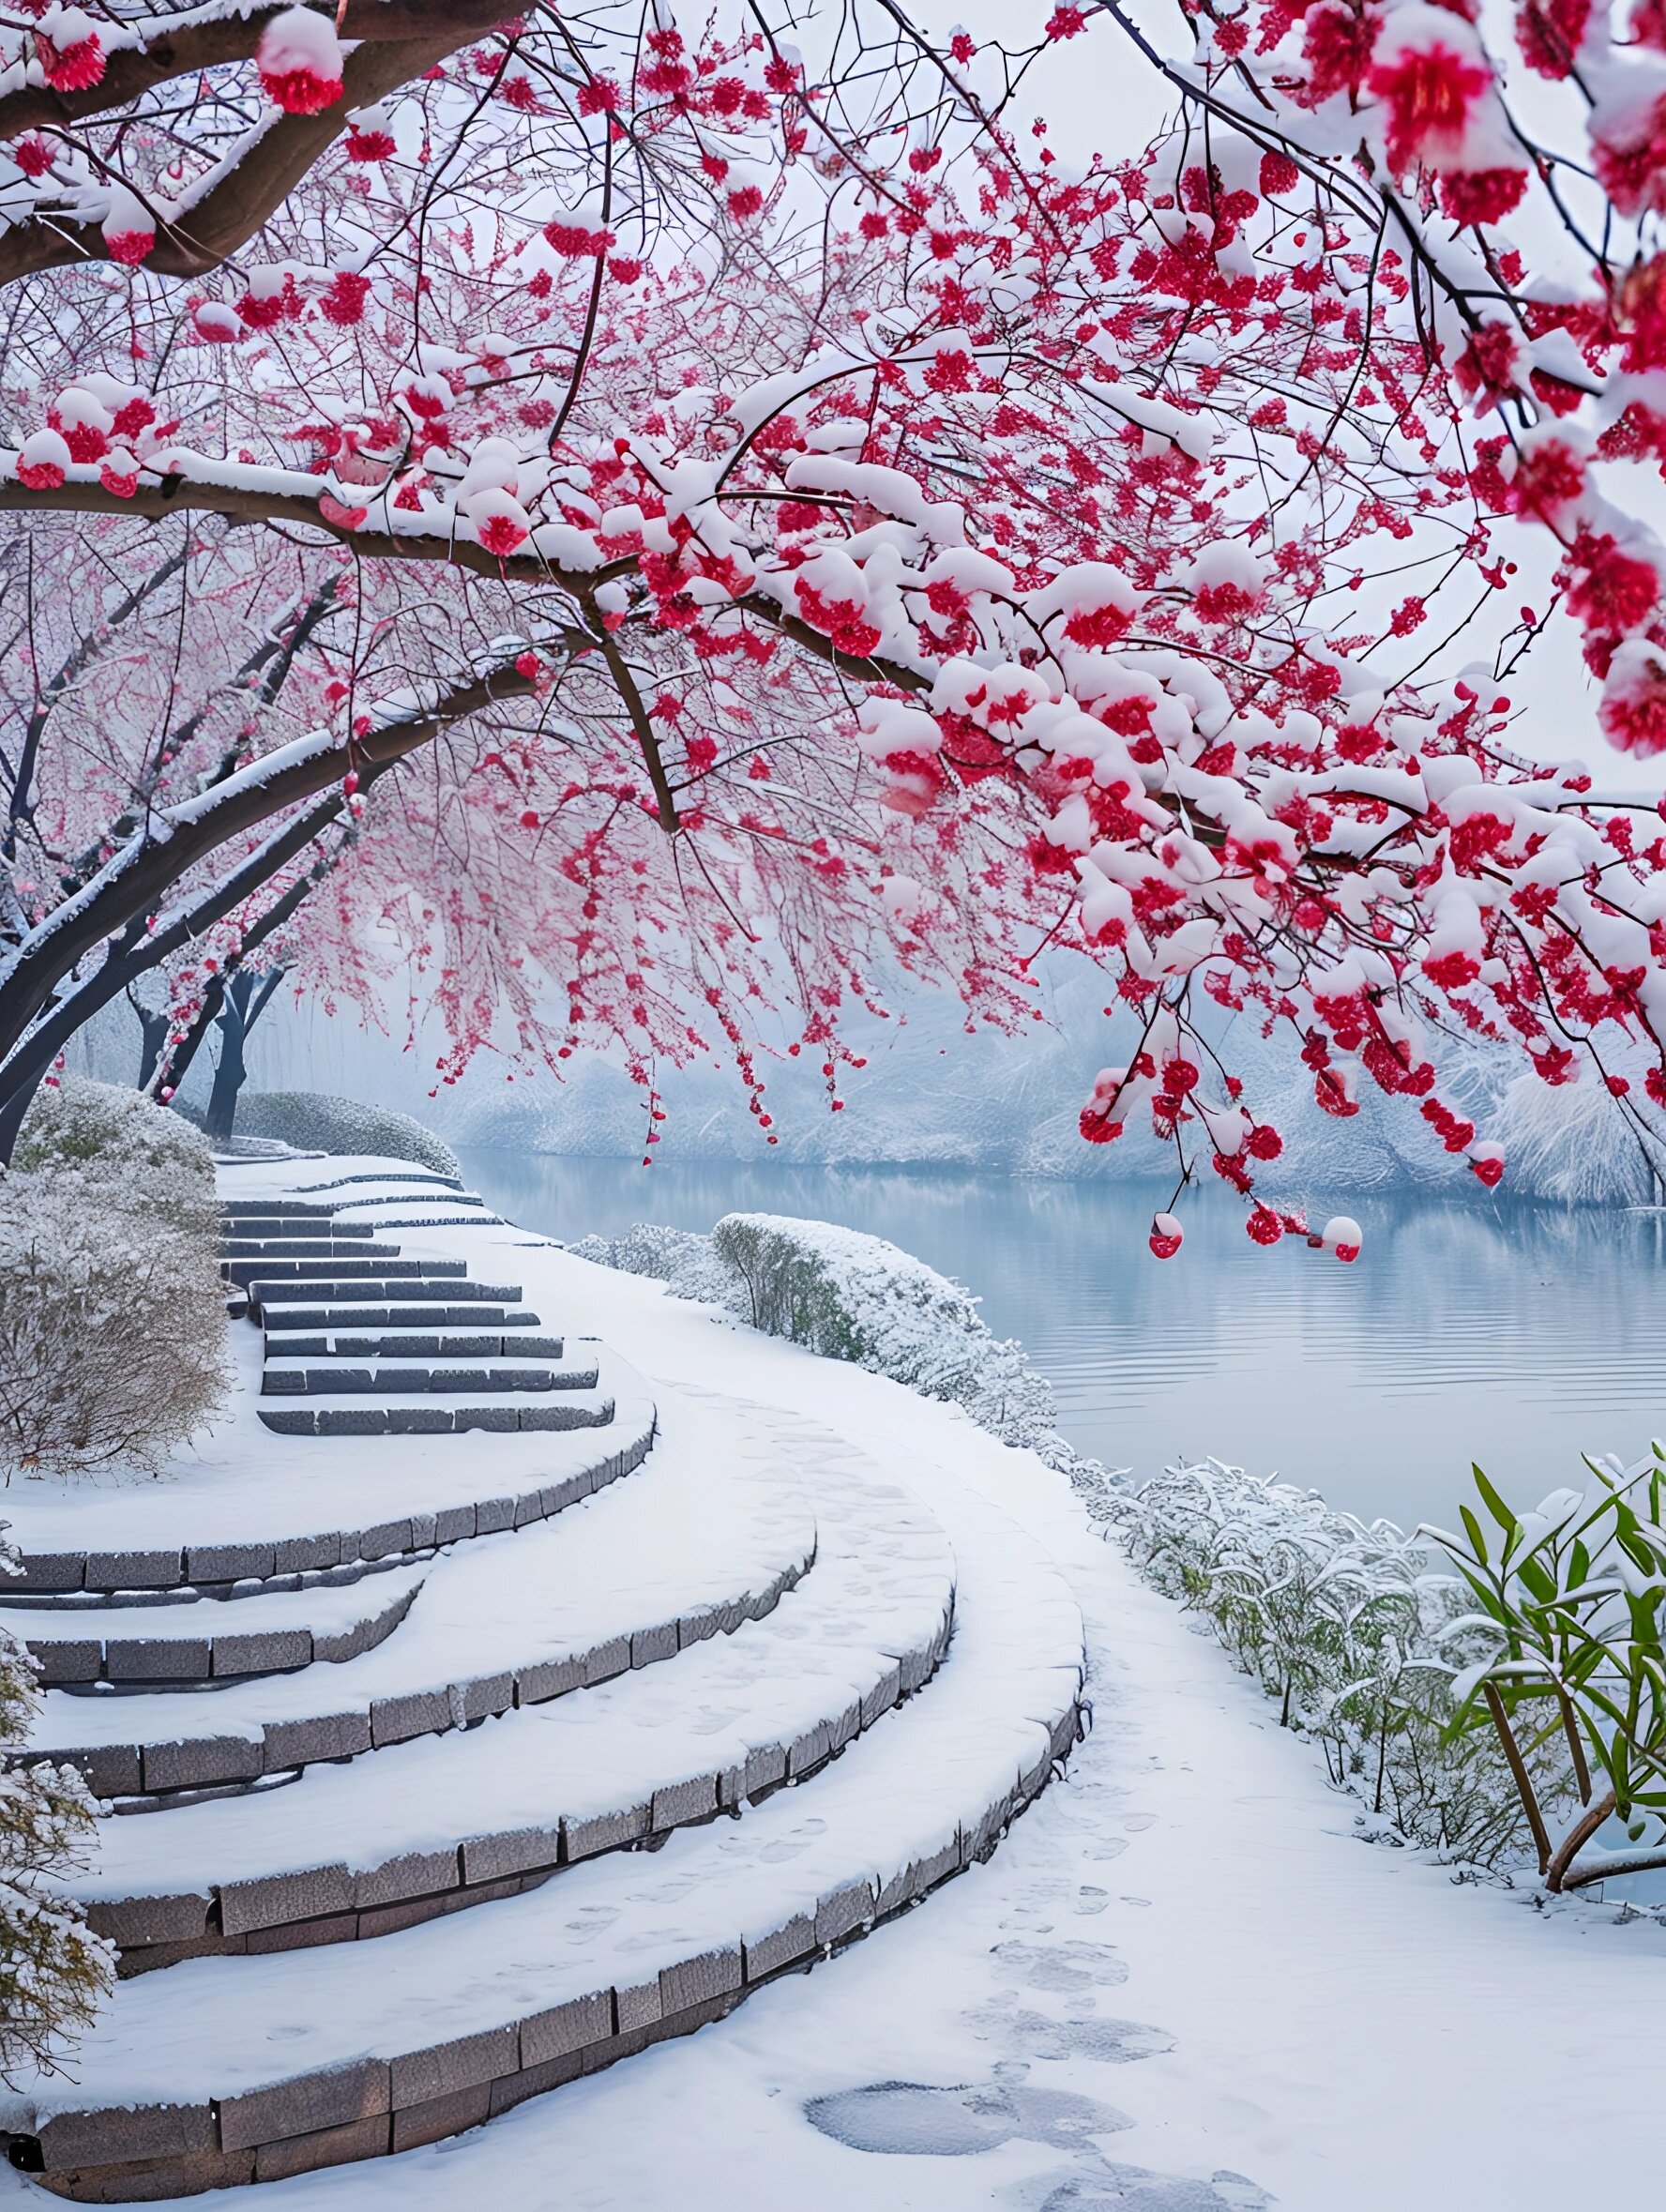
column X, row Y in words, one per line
column 1572, row 1665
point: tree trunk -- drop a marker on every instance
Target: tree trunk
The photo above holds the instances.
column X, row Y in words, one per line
column 154, row 1036
column 232, row 1023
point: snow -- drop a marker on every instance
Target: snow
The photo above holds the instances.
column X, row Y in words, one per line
column 1182, row 1964
column 882, row 1585
column 204, row 1497
column 657, row 1547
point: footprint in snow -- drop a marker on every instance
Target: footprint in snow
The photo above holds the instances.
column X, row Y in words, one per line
column 1065, row 1967
column 1133, row 2188
column 1035, row 2034
column 914, row 2120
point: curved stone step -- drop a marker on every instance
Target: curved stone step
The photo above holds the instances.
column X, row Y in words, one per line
column 429, row 1345
column 268, row 1279
column 450, row 1185
column 288, row 1376
column 205, row 1640
column 227, row 2071
column 407, row 1282
column 298, row 1233
column 690, row 1546
column 520, row 1412
column 246, row 1514
column 461, row 1819
column 283, row 1318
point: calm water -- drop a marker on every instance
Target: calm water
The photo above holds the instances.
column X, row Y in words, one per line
column 1516, row 1335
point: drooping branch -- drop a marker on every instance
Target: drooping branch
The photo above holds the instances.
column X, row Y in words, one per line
column 138, row 876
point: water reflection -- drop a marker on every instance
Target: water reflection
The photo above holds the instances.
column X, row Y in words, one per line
column 1468, row 1329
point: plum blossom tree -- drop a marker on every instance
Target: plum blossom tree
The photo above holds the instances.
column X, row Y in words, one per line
column 780, row 524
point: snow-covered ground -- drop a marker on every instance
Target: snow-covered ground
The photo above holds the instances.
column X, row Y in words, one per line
column 1182, row 1984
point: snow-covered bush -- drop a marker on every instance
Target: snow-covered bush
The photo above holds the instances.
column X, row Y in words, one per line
column 852, row 1296
column 682, row 1259
column 1349, row 1629
column 52, row 1968
column 857, row 1297
column 112, row 1327
column 315, row 1121
column 1565, row 1141
column 124, row 1151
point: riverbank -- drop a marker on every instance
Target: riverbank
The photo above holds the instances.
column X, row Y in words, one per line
column 1469, row 1328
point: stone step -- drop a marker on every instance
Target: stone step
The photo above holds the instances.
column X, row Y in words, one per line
column 430, row 1414
column 236, row 2069
column 617, row 1581
column 431, row 1344
column 286, row 1209
column 381, row 1266
column 375, row 1288
column 298, row 1378
column 280, row 1317
column 204, row 1640
column 295, row 1229
column 448, row 1186
column 455, row 1820
column 404, row 1497
column 307, row 1248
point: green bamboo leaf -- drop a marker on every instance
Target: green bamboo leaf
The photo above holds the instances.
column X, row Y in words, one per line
column 1494, row 1504
column 1472, row 1528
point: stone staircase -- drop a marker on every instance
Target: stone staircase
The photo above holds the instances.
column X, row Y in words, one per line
column 681, row 1696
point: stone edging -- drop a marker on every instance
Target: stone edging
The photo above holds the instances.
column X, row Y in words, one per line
column 378, row 2106
column 213, row 1567
column 334, row 1904
column 189, row 1764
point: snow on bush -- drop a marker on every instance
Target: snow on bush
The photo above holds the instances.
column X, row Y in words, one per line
column 111, row 1331
column 112, row 1313
column 1565, row 1143
column 852, row 1296
column 315, row 1121
column 1350, row 1630
column 52, row 1968
column 125, row 1152
column 681, row 1259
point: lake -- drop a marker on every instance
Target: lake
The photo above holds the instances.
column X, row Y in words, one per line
column 1469, row 1328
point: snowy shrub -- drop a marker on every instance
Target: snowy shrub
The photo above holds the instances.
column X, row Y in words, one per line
column 852, row 1296
column 112, row 1327
column 681, row 1259
column 1565, row 1141
column 857, row 1297
column 314, row 1121
column 124, row 1151
column 52, row 1968
column 1347, row 1628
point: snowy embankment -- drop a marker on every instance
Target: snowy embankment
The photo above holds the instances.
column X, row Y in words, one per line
column 1182, row 1984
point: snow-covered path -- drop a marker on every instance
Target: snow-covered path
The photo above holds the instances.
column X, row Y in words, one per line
column 1182, row 1984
